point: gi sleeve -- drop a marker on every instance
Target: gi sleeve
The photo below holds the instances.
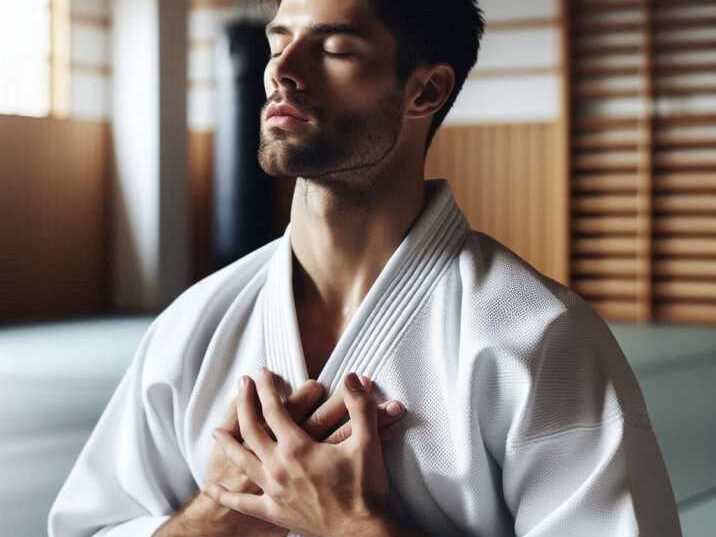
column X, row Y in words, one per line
column 582, row 458
column 130, row 476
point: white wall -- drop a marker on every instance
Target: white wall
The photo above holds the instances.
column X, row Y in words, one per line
column 500, row 95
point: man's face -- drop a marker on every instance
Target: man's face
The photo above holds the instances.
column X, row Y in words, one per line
column 341, row 79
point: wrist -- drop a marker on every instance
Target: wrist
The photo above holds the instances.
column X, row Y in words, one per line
column 374, row 525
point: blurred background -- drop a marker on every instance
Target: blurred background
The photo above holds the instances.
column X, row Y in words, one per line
column 585, row 140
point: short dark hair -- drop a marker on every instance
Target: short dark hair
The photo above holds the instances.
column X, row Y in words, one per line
column 428, row 32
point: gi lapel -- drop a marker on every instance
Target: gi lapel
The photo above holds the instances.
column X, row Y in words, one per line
column 394, row 298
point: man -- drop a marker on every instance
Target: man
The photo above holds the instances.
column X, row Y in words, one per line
column 520, row 415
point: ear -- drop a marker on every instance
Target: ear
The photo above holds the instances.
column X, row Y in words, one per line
column 431, row 86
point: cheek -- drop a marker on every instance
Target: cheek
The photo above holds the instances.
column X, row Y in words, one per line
column 268, row 88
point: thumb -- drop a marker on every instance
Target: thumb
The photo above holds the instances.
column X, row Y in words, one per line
column 362, row 410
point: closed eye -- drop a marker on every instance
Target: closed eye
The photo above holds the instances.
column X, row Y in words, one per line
column 326, row 52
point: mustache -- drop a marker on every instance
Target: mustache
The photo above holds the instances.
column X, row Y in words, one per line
column 294, row 99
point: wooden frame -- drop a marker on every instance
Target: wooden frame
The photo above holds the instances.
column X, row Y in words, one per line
column 59, row 58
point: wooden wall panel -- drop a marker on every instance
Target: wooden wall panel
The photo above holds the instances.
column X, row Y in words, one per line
column 510, row 182
column 53, row 186
column 643, row 171
column 201, row 172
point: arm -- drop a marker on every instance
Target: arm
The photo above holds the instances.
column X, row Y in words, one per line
column 582, row 458
column 130, row 472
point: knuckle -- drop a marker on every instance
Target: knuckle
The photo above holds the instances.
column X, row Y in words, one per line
column 279, row 477
column 294, row 448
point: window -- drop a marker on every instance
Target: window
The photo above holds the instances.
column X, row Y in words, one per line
column 34, row 47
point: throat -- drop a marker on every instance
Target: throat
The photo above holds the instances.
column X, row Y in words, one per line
column 318, row 339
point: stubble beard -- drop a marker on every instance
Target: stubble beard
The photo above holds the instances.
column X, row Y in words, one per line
column 342, row 153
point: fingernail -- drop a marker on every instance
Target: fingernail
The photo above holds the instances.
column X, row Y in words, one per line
column 367, row 383
column 354, row 383
column 394, row 408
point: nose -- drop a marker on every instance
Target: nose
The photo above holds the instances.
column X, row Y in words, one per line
column 287, row 70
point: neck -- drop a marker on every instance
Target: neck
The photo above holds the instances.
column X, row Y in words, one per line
column 342, row 239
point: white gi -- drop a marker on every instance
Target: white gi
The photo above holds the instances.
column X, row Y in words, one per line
column 523, row 416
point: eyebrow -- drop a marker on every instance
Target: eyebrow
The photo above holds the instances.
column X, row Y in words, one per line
column 318, row 29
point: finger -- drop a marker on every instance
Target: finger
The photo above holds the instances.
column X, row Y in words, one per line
column 389, row 413
column 330, row 414
column 304, row 400
column 274, row 411
column 252, row 431
column 362, row 411
column 241, row 457
column 252, row 505
column 231, row 419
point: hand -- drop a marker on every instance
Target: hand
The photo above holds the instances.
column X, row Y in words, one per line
column 316, row 488
column 203, row 513
column 204, row 516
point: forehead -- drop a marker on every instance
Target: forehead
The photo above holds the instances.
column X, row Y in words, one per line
column 298, row 14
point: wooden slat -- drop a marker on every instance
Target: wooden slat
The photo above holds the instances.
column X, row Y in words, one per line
column 681, row 68
column 595, row 123
column 676, row 163
column 685, row 290
column 609, row 246
column 678, row 45
column 683, row 142
column 605, row 144
column 480, row 73
column 90, row 20
column 618, row 310
column 684, row 182
column 611, row 225
column 596, row 164
column 605, row 183
column 585, row 69
column 685, row 246
column 685, row 268
column 606, row 204
column 523, row 23
column 666, row 22
column 686, row 119
column 681, row 225
column 685, row 89
column 592, row 27
column 631, row 267
column 686, row 313
column 605, row 92
column 610, row 288
column 584, row 48
column 686, row 203
column 602, row 6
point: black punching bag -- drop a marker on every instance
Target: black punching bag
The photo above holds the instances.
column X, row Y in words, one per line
column 242, row 216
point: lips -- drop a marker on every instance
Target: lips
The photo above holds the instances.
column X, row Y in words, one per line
column 284, row 110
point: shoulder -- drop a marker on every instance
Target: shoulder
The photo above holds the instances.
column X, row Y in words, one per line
column 553, row 355
column 175, row 343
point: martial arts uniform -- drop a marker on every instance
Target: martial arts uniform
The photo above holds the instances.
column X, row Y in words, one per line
column 523, row 416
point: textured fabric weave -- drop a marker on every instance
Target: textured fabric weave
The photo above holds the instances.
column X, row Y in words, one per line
column 524, row 418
